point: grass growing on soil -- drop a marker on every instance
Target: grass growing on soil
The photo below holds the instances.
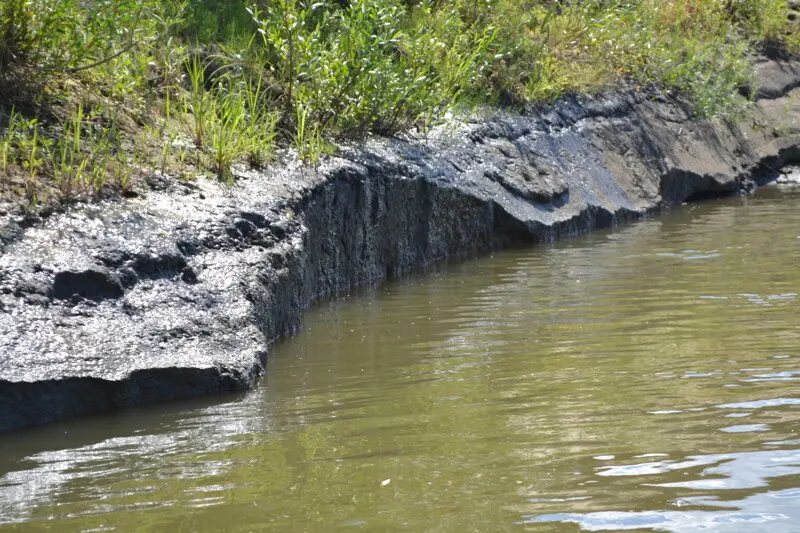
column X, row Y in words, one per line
column 94, row 94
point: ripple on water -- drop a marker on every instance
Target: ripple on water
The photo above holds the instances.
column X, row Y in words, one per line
column 760, row 404
column 745, row 428
column 769, row 511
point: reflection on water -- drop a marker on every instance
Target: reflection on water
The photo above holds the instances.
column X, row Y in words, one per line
column 637, row 379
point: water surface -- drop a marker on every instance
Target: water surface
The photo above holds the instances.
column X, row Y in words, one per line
column 643, row 378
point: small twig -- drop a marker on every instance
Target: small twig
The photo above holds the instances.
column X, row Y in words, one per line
column 125, row 49
column 99, row 62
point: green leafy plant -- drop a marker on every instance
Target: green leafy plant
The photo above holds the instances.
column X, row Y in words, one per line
column 64, row 36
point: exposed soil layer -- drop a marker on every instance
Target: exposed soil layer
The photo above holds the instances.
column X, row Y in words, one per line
column 179, row 292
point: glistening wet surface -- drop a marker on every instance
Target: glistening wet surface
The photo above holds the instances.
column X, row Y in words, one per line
column 643, row 378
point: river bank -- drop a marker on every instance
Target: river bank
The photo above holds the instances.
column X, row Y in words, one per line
column 179, row 292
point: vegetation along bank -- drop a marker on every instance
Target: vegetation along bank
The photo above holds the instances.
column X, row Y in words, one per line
column 96, row 96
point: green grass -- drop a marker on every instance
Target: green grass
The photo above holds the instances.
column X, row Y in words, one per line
column 94, row 94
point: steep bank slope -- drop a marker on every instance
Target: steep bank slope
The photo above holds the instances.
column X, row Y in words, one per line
column 179, row 293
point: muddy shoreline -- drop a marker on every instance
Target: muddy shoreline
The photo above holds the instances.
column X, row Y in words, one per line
column 179, row 292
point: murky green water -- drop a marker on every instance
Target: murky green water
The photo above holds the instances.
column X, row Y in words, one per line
column 646, row 378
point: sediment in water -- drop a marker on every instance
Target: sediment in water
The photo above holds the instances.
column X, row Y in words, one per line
column 178, row 293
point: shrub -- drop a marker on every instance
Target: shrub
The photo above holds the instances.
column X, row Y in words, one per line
column 374, row 65
column 64, row 36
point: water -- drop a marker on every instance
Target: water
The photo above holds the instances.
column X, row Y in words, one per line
column 641, row 379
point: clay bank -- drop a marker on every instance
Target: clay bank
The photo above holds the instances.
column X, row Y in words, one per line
column 179, row 293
